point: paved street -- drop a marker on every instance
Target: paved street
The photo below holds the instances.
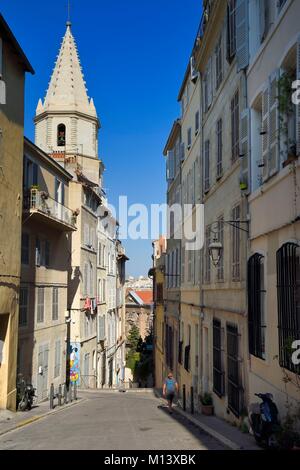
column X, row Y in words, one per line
column 111, row 421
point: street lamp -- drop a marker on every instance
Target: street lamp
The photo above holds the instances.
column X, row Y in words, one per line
column 216, row 248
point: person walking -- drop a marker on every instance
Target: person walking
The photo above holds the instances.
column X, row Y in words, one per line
column 169, row 389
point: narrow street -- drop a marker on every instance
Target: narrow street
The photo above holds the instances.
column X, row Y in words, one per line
column 111, row 421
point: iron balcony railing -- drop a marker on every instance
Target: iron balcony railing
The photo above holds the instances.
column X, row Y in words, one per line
column 41, row 202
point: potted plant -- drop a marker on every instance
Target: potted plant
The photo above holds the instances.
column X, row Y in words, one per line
column 286, row 110
column 207, row 407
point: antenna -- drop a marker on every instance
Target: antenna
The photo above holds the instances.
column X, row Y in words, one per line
column 69, row 13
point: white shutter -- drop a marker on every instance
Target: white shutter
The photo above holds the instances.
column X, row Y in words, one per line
column 245, row 150
column 298, row 105
column 265, row 129
column 170, row 166
column 242, row 34
column 273, row 124
column 86, row 235
column 209, row 83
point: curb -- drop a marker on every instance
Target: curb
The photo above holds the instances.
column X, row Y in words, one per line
column 215, row 434
column 32, row 420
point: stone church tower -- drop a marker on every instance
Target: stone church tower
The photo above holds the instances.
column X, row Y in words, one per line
column 66, row 128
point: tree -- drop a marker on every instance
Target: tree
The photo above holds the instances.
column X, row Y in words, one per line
column 134, row 338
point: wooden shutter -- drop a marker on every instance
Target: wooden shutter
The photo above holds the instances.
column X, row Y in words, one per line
column 209, row 83
column 170, row 166
column 298, row 105
column 273, row 124
column 101, row 328
column 265, row 129
column 242, row 34
column 245, row 149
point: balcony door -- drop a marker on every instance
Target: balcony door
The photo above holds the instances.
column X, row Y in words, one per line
column 59, row 199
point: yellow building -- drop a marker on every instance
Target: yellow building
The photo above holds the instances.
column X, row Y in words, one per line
column 47, row 230
column 13, row 65
column 158, row 273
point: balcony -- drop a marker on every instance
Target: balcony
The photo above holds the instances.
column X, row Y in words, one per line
column 44, row 209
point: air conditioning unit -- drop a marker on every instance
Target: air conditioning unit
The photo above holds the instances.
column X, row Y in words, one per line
column 2, row 92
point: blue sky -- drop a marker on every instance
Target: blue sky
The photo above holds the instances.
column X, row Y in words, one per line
column 134, row 55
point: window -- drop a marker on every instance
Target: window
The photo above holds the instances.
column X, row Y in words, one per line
column 57, row 363
column 47, row 253
column 207, row 256
column 189, row 137
column 197, row 122
column 61, row 135
column 101, row 328
column 280, row 4
column 236, row 246
column 196, row 348
column 55, row 304
column 219, row 63
column 219, row 148
column 169, row 347
column 23, row 310
column 187, row 352
column 30, row 174
column 233, row 381
column 288, row 297
column 40, row 304
column 235, row 125
column 218, row 373
column 25, row 249
column 256, row 301
column 38, row 252
column 220, row 275
column 85, row 279
column 104, row 290
column 99, row 254
column 265, row 23
column 231, row 29
column 206, row 165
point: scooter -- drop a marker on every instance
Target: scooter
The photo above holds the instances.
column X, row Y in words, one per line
column 25, row 395
column 264, row 421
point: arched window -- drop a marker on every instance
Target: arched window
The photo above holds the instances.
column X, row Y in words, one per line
column 288, row 295
column 61, row 135
column 256, row 306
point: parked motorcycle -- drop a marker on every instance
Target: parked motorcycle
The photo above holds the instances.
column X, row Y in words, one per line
column 25, row 395
column 264, row 421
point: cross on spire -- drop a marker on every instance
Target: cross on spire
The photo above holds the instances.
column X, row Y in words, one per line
column 69, row 13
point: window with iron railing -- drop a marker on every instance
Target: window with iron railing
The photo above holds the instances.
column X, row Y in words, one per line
column 288, row 297
column 256, row 303
column 218, row 372
column 233, row 370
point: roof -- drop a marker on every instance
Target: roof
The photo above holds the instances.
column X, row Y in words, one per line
column 8, row 36
column 142, row 297
column 67, row 87
column 44, row 156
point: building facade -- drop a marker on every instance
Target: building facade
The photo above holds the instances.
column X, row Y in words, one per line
column 13, row 66
column 273, row 261
column 46, row 248
column 238, row 311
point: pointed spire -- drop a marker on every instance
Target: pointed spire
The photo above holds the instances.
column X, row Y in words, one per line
column 67, row 90
column 40, row 107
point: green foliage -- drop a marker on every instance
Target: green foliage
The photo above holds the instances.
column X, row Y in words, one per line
column 206, row 399
column 133, row 359
column 134, row 338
